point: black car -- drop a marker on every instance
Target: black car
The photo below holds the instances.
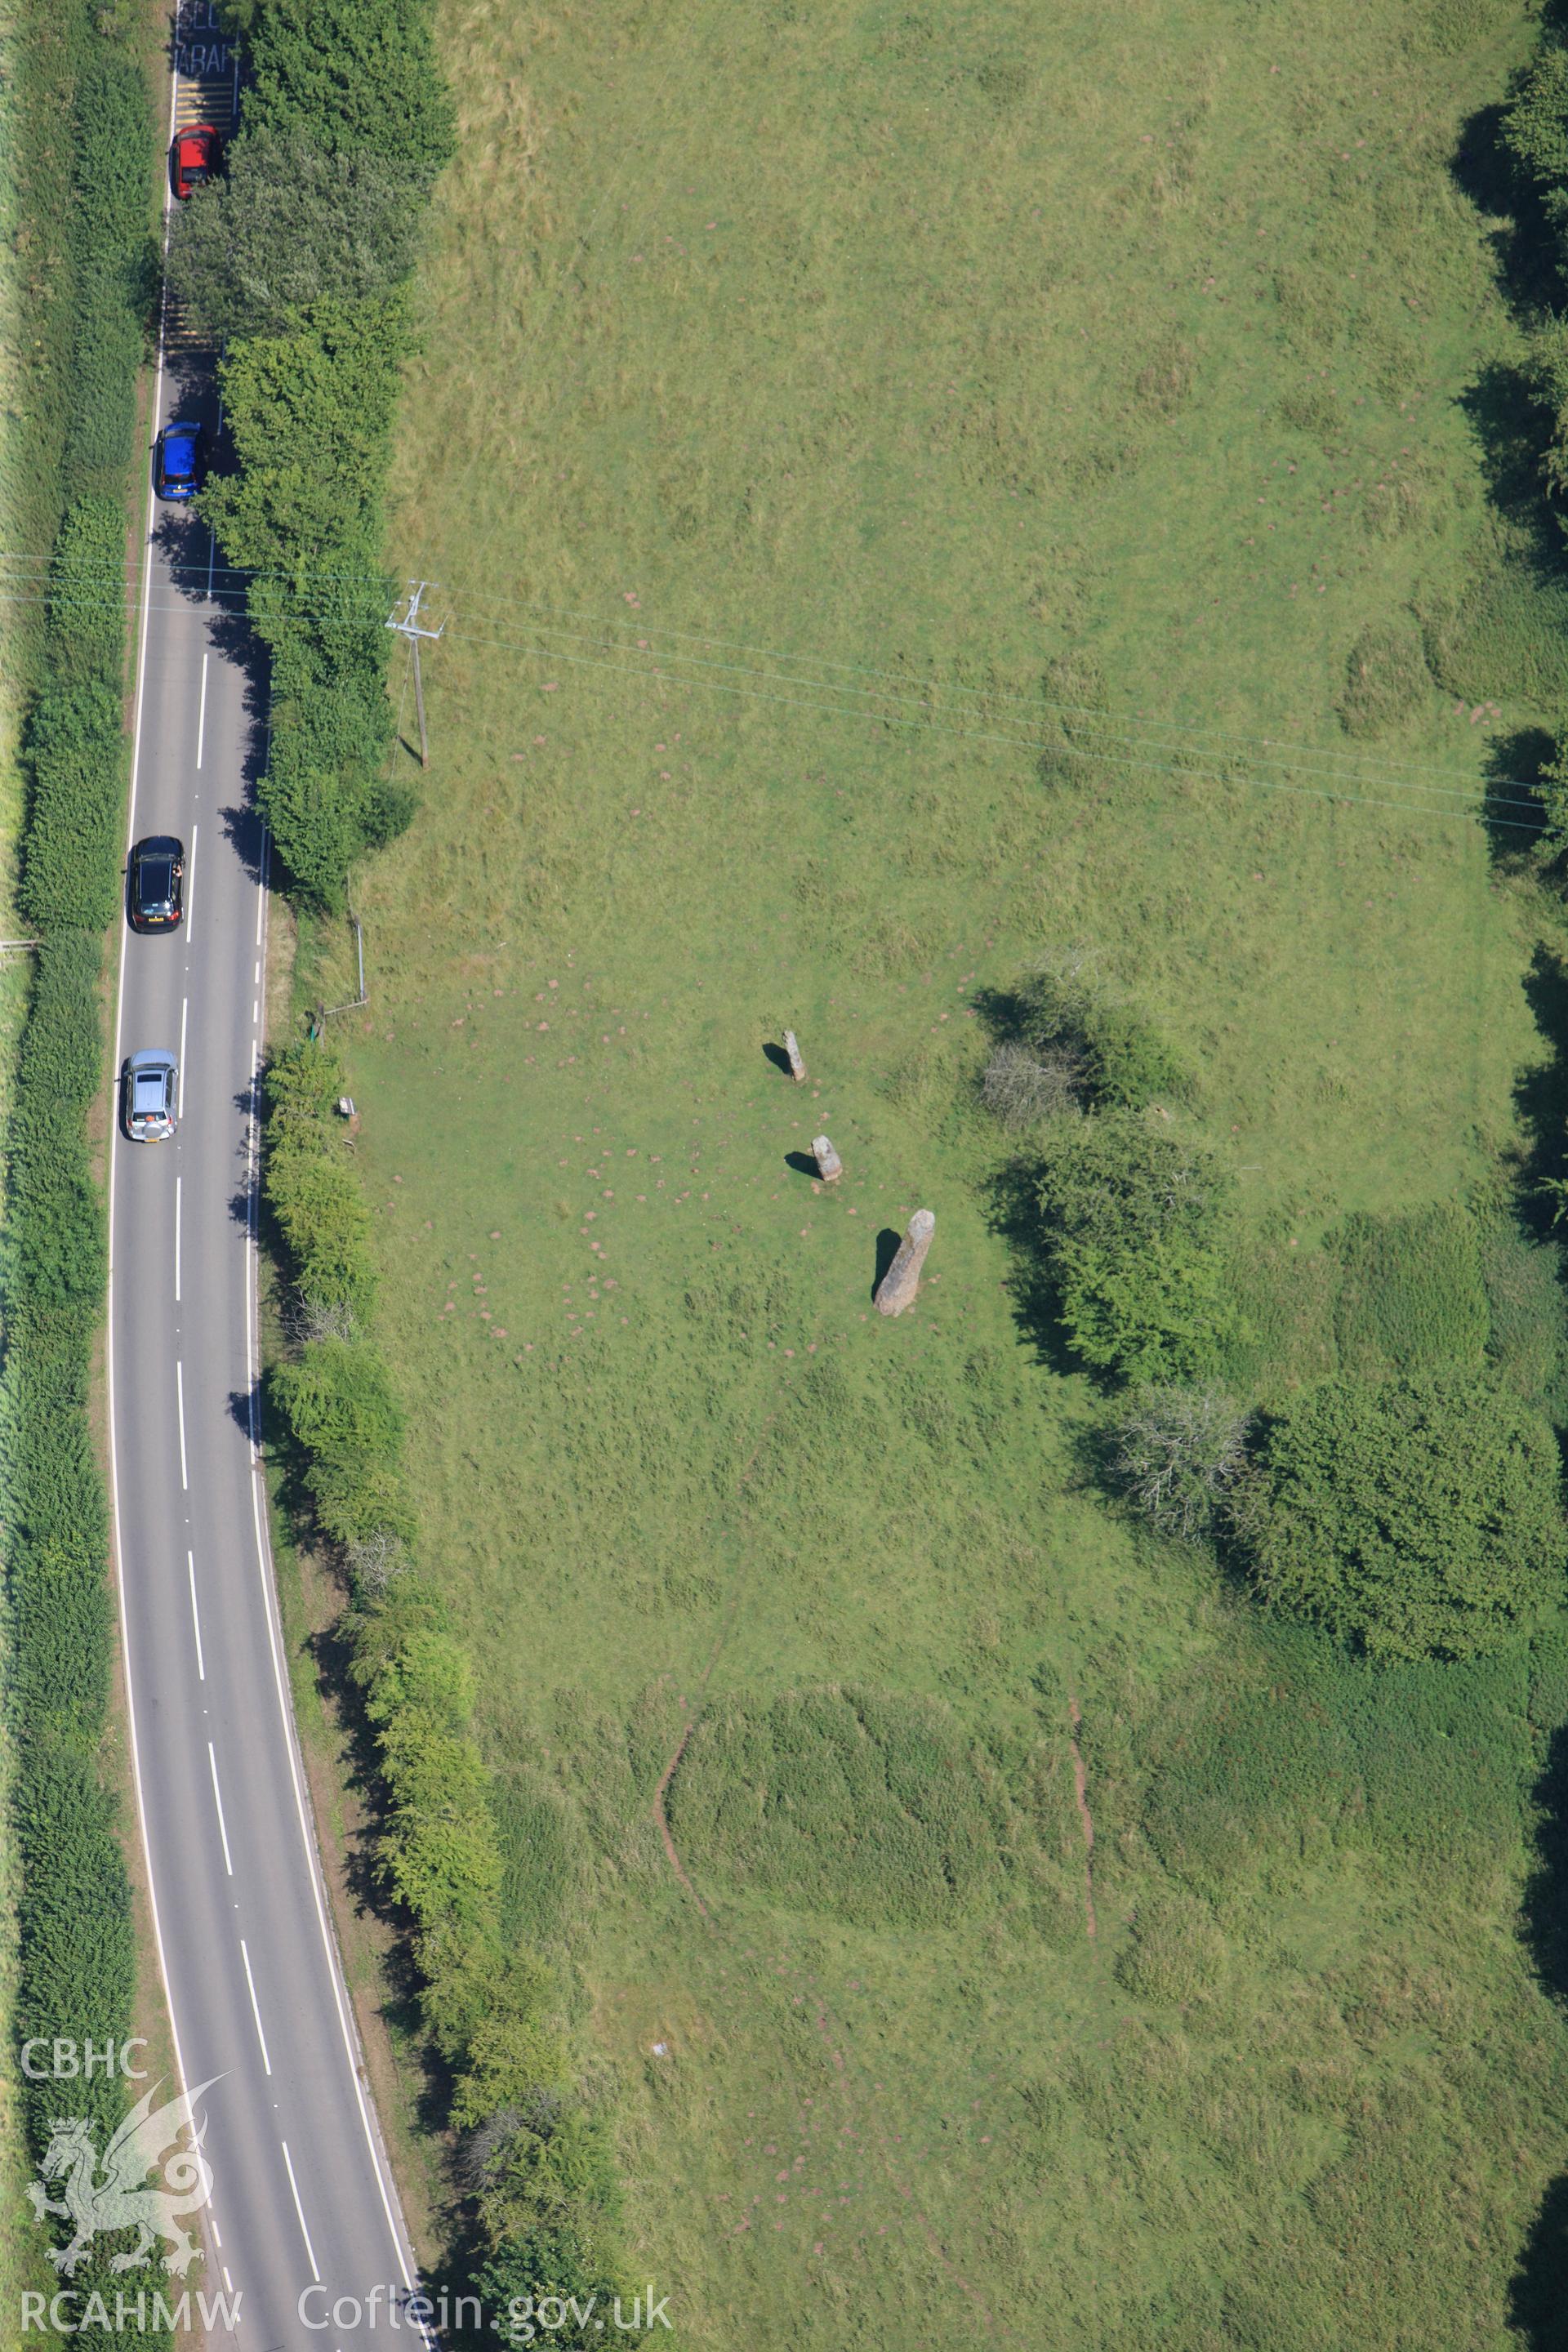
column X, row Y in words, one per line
column 157, row 897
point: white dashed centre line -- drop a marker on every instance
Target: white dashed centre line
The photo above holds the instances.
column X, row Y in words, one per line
column 177, row 1182
column 310, row 2250
column 184, row 1011
column 201, row 715
column 218, row 1800
column 255, row 2005
column 195, row 1620
column 190, row 886
column 180, row 1395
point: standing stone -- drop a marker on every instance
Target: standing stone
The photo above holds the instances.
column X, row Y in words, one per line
column 796, row 1064
column 829, row 1166
column 899, row 1285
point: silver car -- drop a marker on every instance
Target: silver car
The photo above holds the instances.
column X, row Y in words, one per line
column 152, row 1084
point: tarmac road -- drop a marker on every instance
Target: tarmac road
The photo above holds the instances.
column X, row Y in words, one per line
column 302, row 2197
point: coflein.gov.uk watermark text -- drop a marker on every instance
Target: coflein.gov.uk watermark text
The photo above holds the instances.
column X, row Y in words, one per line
column 527, row 2319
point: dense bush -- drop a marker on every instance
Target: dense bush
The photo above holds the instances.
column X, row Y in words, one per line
column 310, row 413
column 1020, row 1086
column 113, row 270
column 1133, row 1218
column 1414, row 1517
column 293, row 224
column 73, row 747
column 350, row 75
column 1179, row 1454
column 1110, row 1053
column 1535, row 135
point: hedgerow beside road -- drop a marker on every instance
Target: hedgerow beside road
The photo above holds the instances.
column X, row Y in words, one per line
column 298, row 258
column 78, row 1946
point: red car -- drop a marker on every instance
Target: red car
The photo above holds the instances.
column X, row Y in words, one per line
column 197, row 148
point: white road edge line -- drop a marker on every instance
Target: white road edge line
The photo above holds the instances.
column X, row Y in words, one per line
column 190, row 888
column 178, row 1181
column 180, row 1395
column 218, row 1800
column 195, row 1618
column 201, row 709
column 114, row 1522
column 310, row 2250
column 255, row 2005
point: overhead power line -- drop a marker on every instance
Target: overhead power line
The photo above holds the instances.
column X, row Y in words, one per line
column 913, row 709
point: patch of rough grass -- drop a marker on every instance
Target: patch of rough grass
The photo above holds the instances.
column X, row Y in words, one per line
column 1386, row 678
column 1177, row 1953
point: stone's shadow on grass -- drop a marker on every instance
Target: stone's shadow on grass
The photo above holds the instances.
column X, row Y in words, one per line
column 887, row 1251
column 778, row 1057
column 1538, row 2293
column 803, row 1164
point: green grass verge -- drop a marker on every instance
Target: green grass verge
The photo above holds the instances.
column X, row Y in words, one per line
column 82, row 85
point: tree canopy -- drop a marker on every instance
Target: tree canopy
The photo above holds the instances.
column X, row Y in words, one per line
column 292, row 224
column 1133, row 1215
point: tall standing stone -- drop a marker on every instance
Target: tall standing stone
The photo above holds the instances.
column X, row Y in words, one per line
column 897, row 1287
column 829, row 1166
column 796, row 1059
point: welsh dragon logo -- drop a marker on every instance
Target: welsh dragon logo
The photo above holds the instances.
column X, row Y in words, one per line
column 115, row 2195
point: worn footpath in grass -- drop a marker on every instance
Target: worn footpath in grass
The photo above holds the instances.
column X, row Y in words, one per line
column 932, row 371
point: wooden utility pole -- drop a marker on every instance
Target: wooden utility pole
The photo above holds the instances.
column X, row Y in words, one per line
column 408, row 626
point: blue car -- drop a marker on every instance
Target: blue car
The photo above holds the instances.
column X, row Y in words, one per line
column 178, row 462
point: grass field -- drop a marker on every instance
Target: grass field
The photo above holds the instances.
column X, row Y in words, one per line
column 900, row 477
